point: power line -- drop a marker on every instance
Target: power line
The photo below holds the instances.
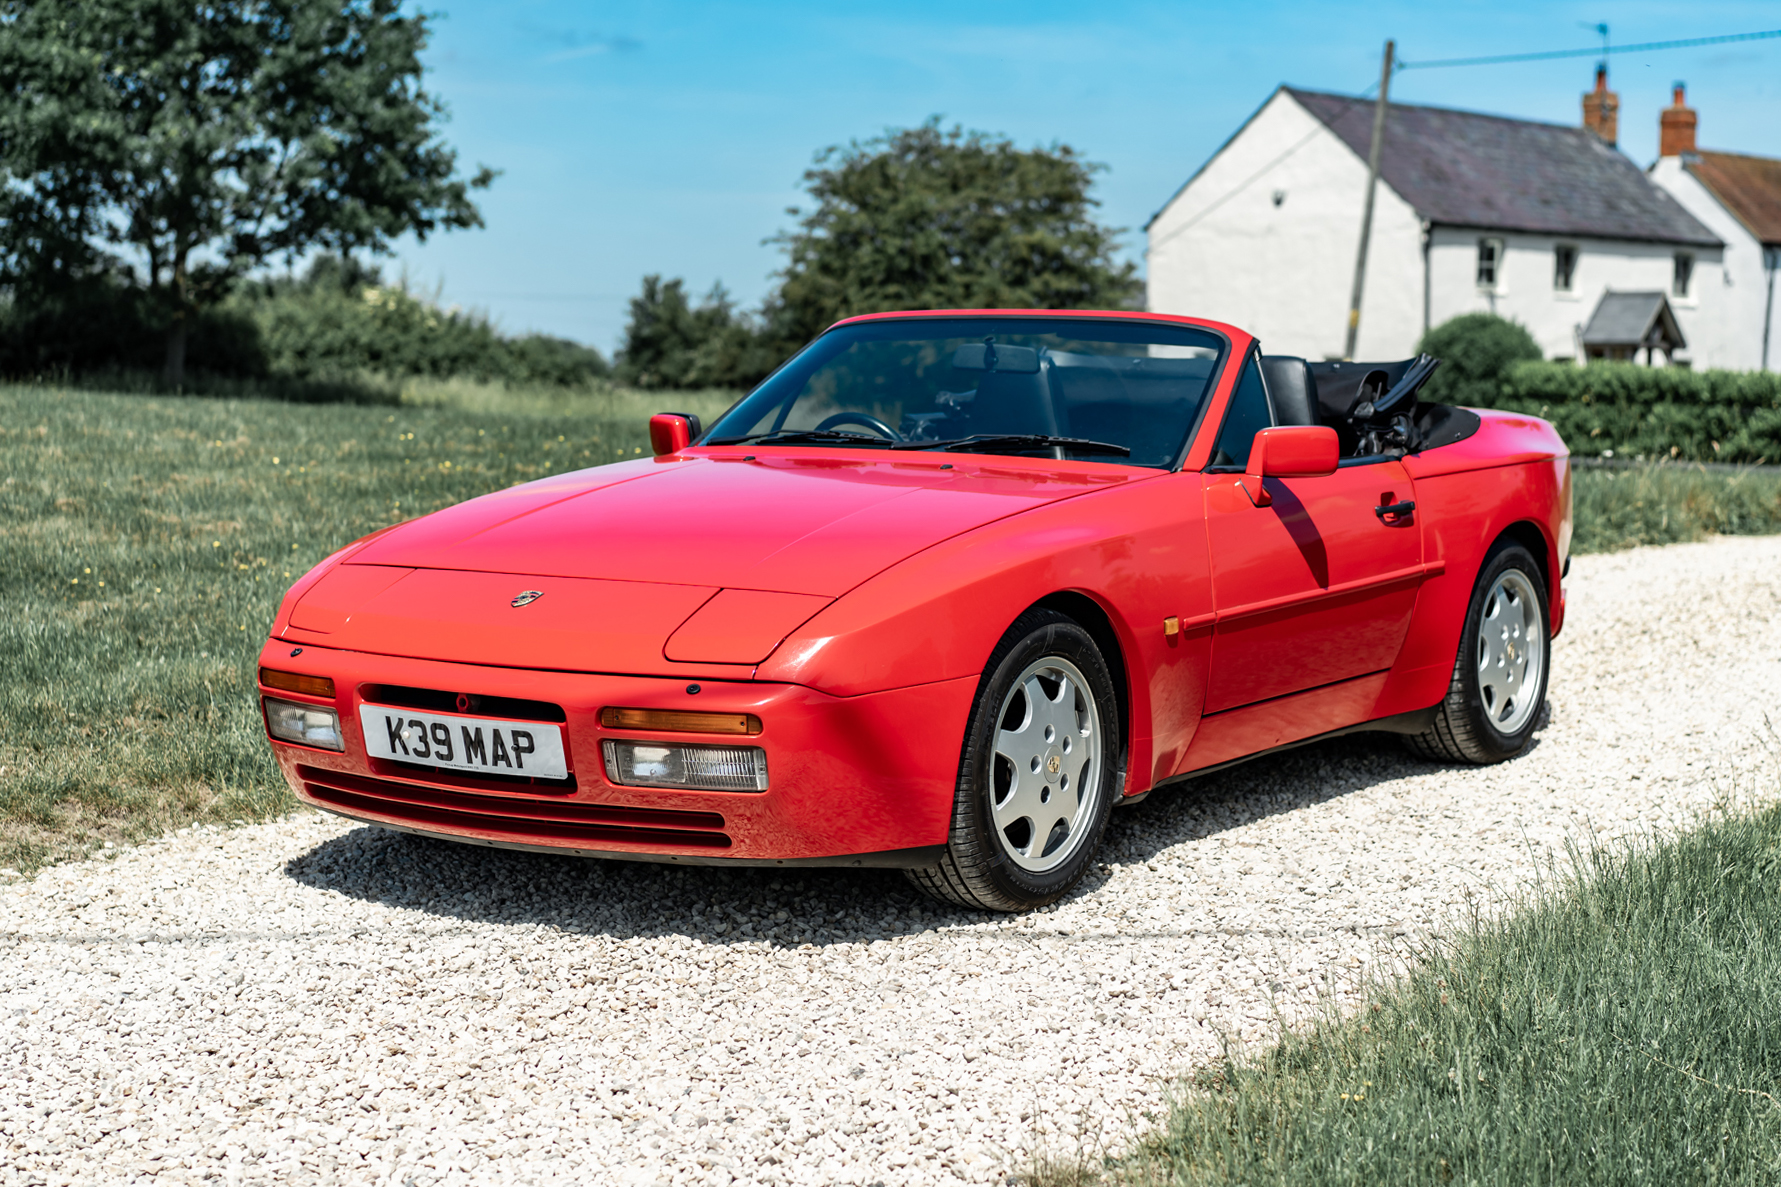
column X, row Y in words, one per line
column 551, row 296
column 1593, row 52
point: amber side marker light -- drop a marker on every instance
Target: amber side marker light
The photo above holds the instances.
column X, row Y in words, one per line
column 678, row 721
column 315, row 686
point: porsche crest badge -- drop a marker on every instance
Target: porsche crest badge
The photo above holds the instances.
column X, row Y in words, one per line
column 527, row 598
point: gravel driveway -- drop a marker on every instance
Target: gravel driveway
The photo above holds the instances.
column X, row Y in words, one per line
column 310, row 1002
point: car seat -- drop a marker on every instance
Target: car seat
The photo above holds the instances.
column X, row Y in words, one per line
column 1293, row 389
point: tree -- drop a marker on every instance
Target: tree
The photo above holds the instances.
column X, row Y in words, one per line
column 202, row 137
column 672, row 343
column 927, row 219
column 1476, row 351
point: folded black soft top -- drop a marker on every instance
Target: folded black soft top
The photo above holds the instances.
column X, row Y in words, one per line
column 1374, row 410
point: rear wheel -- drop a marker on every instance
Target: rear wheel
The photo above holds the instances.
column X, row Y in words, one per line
column 1499, row 678
column 1038, row 773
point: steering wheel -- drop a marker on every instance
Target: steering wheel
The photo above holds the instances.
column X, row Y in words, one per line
column 863, row 419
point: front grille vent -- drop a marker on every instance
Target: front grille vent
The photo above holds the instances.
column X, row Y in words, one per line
column 480, row 781
column 512, row 817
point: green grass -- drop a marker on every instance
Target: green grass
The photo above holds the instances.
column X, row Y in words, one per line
column 1669, row 502
column 145, row 543
column 1620, row 1028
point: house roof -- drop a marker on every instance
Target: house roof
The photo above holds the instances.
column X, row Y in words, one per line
column 1749, row 187
column 1633, row 319
column 1460, row 168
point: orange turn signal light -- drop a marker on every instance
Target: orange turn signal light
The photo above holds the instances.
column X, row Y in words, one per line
column 679, row 721
column 315, row 686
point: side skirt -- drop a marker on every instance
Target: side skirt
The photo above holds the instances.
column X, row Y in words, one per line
column 1413, row 722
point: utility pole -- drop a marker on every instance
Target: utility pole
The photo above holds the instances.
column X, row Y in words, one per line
column 1366, row 218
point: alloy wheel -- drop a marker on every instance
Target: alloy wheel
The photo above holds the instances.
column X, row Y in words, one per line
column 1511, row 651
column 1046, row 766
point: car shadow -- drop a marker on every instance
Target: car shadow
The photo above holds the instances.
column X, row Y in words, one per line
column 789, row 907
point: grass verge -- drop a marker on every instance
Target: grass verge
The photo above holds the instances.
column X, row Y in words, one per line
column 1618, row 1029
column 1670, row 502
column 145, row 543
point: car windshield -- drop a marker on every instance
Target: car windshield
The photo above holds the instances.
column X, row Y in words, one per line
column 1111, row 390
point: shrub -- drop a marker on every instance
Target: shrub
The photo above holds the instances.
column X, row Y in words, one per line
column 1476, row 350
column 341, row 318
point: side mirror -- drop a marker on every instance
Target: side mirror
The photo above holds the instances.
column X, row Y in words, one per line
column 671, row 432
column 1289, row 451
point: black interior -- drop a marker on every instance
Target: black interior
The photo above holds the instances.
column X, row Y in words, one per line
column 1343, row 395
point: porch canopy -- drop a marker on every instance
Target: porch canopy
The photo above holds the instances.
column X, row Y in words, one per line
column 1625, row 323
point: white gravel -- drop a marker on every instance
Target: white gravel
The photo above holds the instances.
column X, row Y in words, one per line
column 313, row 1002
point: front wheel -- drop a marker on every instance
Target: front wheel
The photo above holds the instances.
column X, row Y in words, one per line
column 1499, row 678
column 1038, row 773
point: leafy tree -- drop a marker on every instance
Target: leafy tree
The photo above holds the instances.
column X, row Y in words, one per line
column 928, row 219
column 1476, row 351
column 202, row 137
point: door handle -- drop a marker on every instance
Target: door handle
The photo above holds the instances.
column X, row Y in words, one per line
column 1394, row 513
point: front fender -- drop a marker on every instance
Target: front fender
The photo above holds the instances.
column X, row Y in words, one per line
column 1138, row 552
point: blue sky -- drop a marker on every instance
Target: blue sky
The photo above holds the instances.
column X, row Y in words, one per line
column 670, row 137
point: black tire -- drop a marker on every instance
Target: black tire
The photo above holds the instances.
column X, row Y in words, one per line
column 1466, row 727
column 978, row 869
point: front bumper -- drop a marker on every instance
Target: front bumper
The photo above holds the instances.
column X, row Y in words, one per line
column 864, row 780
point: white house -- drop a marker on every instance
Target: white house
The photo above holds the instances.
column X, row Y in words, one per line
column 1738, row 197
column 1533, row 221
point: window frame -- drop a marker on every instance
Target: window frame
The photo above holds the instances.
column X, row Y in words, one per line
column 1564, row 279
column 1682, row 275
column 1498, row 249
column 1253, row 358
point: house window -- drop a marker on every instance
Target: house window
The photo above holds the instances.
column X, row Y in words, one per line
column 1490, row 262
column 1564, row 266
column 1684, row 274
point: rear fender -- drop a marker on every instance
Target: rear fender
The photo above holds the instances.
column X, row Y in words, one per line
column 1463, row 515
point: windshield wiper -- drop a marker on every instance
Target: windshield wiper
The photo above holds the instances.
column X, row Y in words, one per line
column 795, row 436
column 1017, row 443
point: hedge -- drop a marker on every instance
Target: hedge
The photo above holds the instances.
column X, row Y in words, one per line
column 1625, row 410
column 329, row 329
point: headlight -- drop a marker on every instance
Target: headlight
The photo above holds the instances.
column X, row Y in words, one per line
column 306, row 725
column 696, row 768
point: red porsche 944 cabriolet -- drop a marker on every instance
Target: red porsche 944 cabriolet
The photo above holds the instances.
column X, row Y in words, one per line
column 937, row 595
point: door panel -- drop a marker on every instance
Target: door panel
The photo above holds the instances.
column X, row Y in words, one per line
column 1311, row 589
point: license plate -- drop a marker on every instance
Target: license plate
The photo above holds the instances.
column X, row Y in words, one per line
column 484, row 745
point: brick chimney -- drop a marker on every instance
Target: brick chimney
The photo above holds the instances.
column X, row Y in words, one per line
column 1601, row 108
column 1675, row 127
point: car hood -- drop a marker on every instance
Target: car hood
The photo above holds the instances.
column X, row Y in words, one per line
column 694, row 564
column 809, row 524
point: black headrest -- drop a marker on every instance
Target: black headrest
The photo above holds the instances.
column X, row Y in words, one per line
column 1293, row 388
